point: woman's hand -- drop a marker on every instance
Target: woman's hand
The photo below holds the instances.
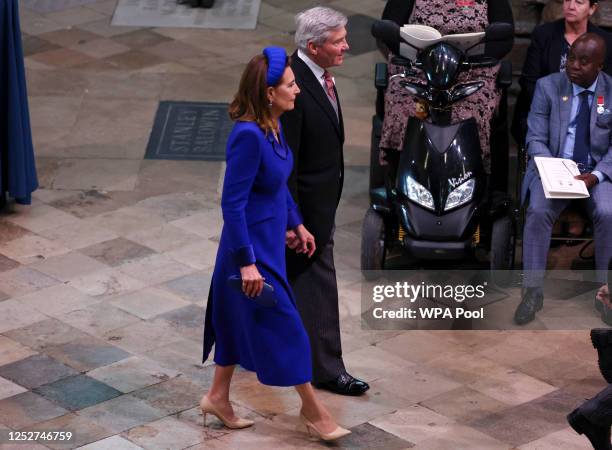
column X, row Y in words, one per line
column 252, row 281
column 306, row 241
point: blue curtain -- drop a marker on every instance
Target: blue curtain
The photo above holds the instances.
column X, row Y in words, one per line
column 17, row 166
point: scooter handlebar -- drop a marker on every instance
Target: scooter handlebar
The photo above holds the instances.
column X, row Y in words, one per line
column 386, row 30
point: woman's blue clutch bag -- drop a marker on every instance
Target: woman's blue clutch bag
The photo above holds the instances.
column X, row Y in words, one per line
column 267, row 297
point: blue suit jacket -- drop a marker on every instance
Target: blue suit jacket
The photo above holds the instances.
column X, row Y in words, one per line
column 549, row 119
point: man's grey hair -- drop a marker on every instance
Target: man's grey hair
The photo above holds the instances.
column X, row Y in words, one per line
column 315, row 24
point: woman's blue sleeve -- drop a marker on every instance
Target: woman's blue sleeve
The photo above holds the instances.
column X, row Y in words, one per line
column 243, row 160
column 294, row 218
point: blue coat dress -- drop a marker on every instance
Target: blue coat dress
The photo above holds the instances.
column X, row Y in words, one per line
column 257, row 211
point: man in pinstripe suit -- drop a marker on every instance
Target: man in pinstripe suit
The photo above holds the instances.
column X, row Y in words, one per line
column 315, row 133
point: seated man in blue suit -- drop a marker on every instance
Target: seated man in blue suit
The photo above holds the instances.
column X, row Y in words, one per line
column 570, row 118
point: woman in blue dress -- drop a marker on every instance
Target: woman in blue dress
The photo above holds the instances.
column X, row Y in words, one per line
column 258, row 215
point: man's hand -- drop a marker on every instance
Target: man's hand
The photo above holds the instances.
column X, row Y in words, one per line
column 306, row 241
column 291, row 239
column 589, row 179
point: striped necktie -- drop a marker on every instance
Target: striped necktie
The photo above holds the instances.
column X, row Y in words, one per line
column 329, row 84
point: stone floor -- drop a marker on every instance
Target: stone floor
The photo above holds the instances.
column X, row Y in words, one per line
column 103, row 277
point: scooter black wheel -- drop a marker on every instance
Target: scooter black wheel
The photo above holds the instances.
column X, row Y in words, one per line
column 373, row 245
column 501, row 255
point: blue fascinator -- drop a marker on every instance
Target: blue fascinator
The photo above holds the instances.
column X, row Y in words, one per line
column 277, row 60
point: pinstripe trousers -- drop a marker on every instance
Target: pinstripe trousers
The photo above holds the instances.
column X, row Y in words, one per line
column 316, row 295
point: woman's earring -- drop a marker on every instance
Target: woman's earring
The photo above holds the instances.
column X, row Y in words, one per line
column 270, row 103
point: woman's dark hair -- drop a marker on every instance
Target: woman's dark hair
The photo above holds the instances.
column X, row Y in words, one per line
column 251, row 101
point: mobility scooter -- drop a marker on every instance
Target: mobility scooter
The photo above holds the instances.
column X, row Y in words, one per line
column 439, row 205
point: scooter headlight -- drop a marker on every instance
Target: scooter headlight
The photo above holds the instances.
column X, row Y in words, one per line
column 419, row 194
column 460, row 195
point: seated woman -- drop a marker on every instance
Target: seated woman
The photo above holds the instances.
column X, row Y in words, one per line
column 448, row 17
column 547, row 53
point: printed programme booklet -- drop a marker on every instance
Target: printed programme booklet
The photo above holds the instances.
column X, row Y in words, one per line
column 557, row 175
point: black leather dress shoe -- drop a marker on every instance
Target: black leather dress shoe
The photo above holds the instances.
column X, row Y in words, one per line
column 345, row 384
column 533, row 300
column 602, row 341
column 598, row 435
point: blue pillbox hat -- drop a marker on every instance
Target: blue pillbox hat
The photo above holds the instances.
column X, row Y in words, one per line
column 277, row 60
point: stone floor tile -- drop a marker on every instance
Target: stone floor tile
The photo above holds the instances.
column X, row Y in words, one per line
column 134, row 60
column 122, row 413
column 4, row 296
column 529, row 421
column 35, row 371
column 164, row 238
column 97, row 174
column 567, row 439
column 148, row 303
column 461, row 437
column 141, row 38
column 557, row 371
column 511, row 386
column 87, row 204
column 7, row 263
column 424, row 383
column 68, row 266
column 33, row 45
column 118, row 85
column 366, row 436
column 11, row 351
column 199, row 255
column 14, row 315
column 184, row 355
column 78, row 235
column 173, row 50
column 104, row 28
column 56, row 300
column 61, row 58
column 266, row 400
column 78, row 392
column 163, row 177
column 75, row 16
column 84, row 430
column 157, row 268
column 419, row 346
column 9, row 231
column 98, row 319
column 112, row 443
column 464, row 404
column 31, row 248
column 264, row 434
column 187, row 321
column 40, row 218
column 142, row 337
column 172, row 396
column 67, row 37
column 117, row 251
column 9, row 389
column 370, row 363
column 165, row 433
column 100, row 48
column 133, row 373
column 87, row 354
column 127, row 220
column 39, row 25
column 193, row 287
column 27, row 409
column 414, row 424
column 45, row 333
column 206, row 224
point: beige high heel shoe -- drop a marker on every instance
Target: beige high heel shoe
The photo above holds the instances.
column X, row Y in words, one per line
column 312, row 430
column 208, row 408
